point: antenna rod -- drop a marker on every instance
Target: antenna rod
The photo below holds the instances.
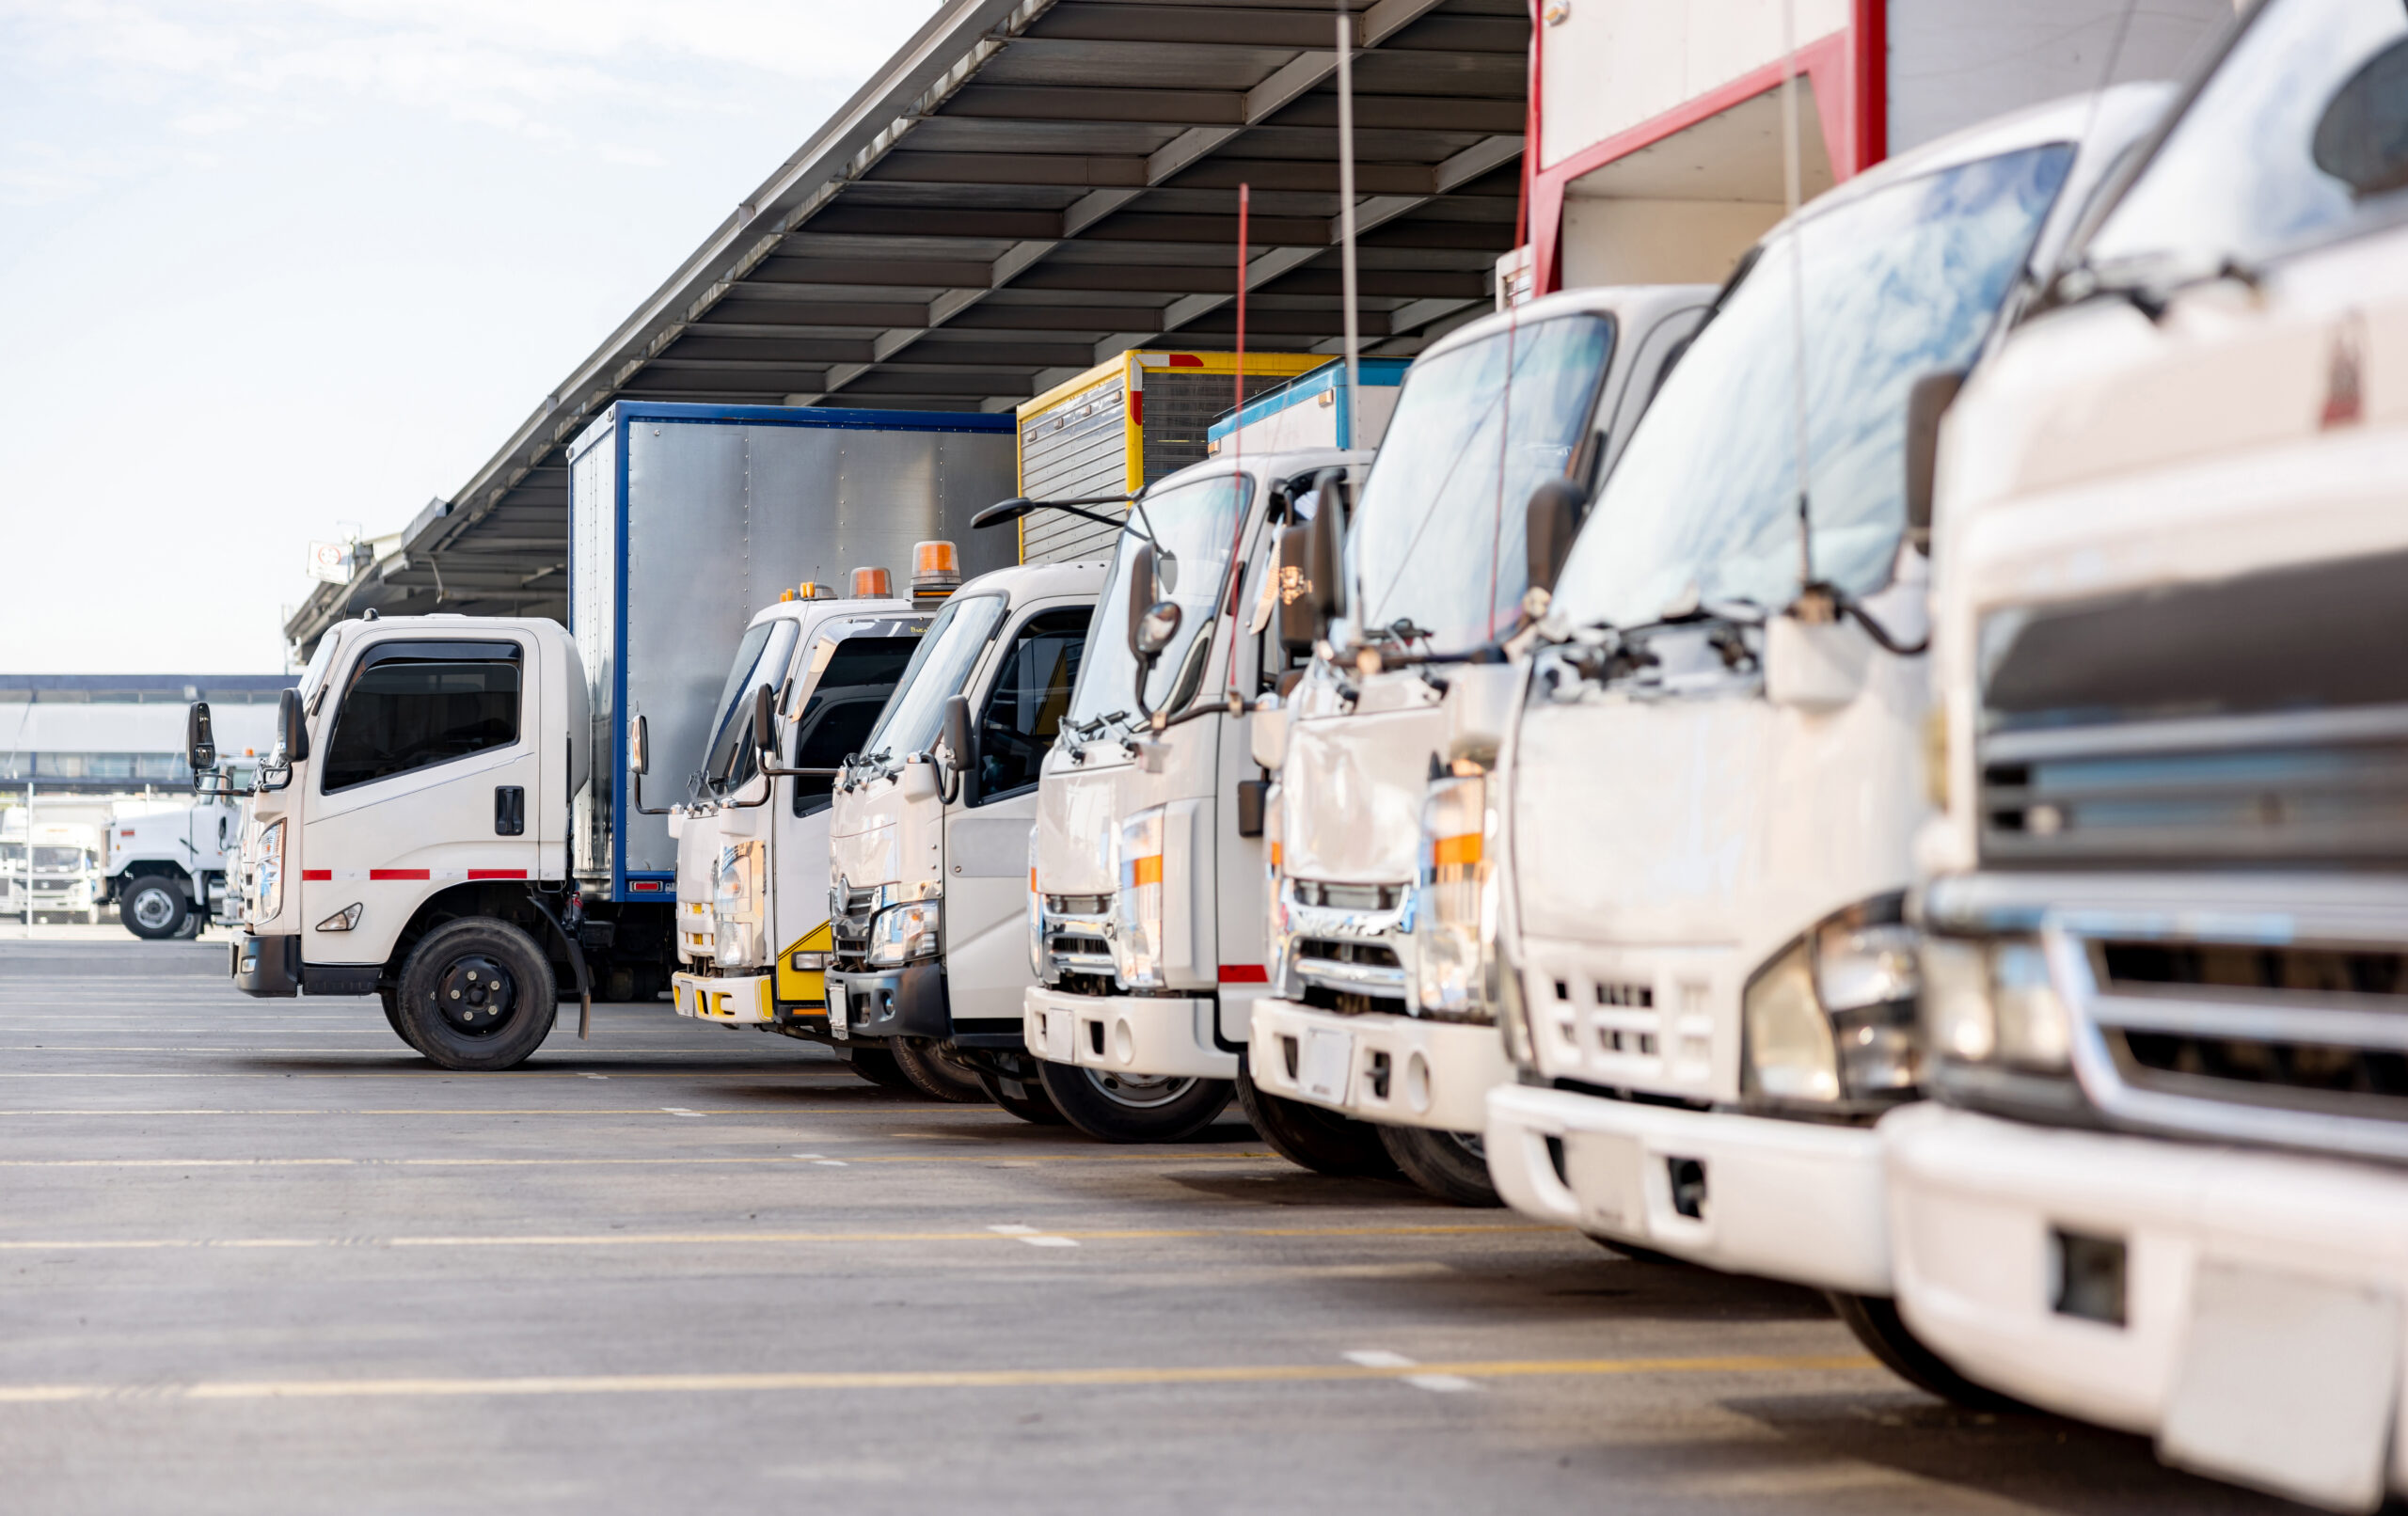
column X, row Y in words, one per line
column 1346, row 217
column 1237, row 434
column 1792, row 175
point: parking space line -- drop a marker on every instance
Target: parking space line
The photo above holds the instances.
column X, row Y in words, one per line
column 645, row 1239
column 1156, row 1156
column 998, row 1378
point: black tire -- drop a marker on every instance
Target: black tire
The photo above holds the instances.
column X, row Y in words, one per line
column 1636, row 1253
column 477, row 996
column 936, row 1073
column 878, row 1065
column 153, row 909
column 194, row 923
column 1310, row 1137
column 1116, row 1108
column 1450, row 1166
column 1875, row 1321
column 389, row 998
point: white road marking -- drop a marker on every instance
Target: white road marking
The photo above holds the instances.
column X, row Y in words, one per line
column 1376, row 1358
column 1381, row 1358
column 681, row 1111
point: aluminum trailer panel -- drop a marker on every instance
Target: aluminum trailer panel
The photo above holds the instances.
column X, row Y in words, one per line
column 685, row 520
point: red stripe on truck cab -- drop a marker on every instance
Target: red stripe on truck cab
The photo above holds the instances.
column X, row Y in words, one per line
column 1245, row 973
column 319, row 874
column 397, row 873
column 497, row 873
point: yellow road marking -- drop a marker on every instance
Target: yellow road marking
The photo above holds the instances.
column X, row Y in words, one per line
column 422, row 1072
column 1158, row 1155
column 817, row 1113
column 960, row 1378
column 620, row 1239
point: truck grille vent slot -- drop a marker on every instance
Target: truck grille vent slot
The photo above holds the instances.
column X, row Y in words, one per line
column 1330, row 950
column 1078, row 904
column 1349, row 896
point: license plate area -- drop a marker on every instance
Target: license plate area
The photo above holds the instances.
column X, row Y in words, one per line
column 1607, row 1172
column 2288, row 1384
column 1326, row 1069
column 1061, row 1037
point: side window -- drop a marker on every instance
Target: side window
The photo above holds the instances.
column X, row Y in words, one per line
column 1024, row 709
column 410, row 705
column 836, row 721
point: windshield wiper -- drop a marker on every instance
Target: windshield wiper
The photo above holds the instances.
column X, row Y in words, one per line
column 2081, row 281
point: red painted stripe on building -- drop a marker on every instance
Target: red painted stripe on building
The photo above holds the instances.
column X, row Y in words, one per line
column 397, row 873
column 309, row 874
column 497, row 873
column 1245, row 973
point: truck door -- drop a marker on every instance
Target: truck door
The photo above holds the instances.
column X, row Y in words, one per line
column 428, row 778
column 986, row 844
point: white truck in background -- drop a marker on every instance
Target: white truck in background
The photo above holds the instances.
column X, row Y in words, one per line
column 929, row 838
column 752, row 929
column 2162, row 1184
column 1707, row 793
column 55, row 873
column 1356, row 1025
column 1146, row 868
column 166, row 867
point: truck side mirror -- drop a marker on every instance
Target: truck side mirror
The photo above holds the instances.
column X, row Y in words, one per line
column 1554, row 519
column 1155, row 629
column 200, row 745
column 765, row 719
column 1142, row 592
column 291, row 731
column 639, row 747
column 963, row 746
column 1325, row 563
column 1926, row 403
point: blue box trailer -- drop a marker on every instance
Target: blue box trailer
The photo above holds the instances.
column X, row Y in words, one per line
column 685, row 520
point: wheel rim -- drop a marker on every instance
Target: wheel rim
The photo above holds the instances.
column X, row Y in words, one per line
column 475, row 995
column 153, row 909
column 1469, row 1142
column 1137, row 1092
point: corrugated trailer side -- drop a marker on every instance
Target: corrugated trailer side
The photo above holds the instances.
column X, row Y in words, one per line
column 1138, row 416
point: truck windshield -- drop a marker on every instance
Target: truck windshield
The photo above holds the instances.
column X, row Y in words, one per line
column 760, row 659
column 1437, row 538
column 58, row 858
column 1198, row 524
column 853, row 671
column 320, row 661
column 1703, row 505
column 938, row 668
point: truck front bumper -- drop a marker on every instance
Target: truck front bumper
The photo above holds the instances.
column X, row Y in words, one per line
column 1791, row 1200
column 737, row 1000
column 2262, row 1294
column 1397, row 1070
column 871, row 1003
column 266, row 966
column 1158, row 1036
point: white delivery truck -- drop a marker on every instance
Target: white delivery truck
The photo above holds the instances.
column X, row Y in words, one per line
column 2164, row 1185
column 450, row 821
column 929, row 838
column 1146, row 869
column 753, row 934
column 1430, row 587
column 166, row 868
column 54, row 872
column 1705, row 798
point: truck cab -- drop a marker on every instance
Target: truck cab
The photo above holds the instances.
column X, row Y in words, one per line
column 1146, row 877
column 1430, row 588
column 409, row 836
column 1709, row 784
column 166, row 868
column 2166, row 901
column 929, row 837
column 55, row 872
column 752, row 932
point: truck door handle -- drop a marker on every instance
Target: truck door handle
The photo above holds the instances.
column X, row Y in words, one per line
column 509, row 810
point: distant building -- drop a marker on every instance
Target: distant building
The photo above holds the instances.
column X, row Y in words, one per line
column 122, row 734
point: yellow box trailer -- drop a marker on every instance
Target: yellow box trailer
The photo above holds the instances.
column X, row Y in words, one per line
column 1124, row 422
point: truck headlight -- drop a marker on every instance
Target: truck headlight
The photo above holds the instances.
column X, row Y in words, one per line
column 267, row 876
column 1831, row 1017
column 1137, row 950
column 1455, row 929
column 739, row 938
column 906, row 933
column 1994, row 1001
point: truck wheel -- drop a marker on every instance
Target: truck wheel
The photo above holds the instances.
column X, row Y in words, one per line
column 477, row 995
column 879, row 1066
column 1310, row 1137
column 194, row 923
column 1875, row 1321
column 153, row 909
column 936, row 1073
column 1450, row 1166
column 1123, row 1107
column 389, row 998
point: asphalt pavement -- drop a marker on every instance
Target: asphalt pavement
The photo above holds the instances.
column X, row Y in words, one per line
column 258, row 1257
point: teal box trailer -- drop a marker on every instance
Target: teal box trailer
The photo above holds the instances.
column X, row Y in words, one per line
column 1315, row 410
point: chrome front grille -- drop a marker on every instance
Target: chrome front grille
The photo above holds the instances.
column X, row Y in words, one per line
column 849, row 910
column 1077, row 933
column 1347, row 942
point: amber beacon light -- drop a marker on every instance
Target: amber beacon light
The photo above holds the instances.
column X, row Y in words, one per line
column 873, row 584
column 936, row 570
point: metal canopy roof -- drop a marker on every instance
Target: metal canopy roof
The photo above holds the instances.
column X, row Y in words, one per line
column 1029, row 187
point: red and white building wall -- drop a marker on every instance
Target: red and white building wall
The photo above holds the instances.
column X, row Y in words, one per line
column 1656, row 124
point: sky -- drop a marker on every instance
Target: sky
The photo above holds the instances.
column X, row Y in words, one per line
column 275, row 271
